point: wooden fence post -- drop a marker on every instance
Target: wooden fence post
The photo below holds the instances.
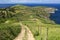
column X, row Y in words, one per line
column 46, row 33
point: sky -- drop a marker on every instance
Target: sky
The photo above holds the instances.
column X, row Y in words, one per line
column 29, row 1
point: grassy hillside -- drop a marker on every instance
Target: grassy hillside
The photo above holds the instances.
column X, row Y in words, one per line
column 33, row 17
column 9, row 31
column 40, row 30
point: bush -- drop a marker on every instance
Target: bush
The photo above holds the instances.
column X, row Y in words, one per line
column 9, row 32
column 36, row 33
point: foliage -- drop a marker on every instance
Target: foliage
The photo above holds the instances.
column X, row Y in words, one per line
column 9, row 31
column 31, row 16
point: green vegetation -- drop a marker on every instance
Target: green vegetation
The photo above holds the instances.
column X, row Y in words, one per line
column 36, row 18
column 9, row 26
column 9, row 31
column 39, row 29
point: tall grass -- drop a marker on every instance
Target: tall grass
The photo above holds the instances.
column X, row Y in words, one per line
column 40, row 30
column 9, row 31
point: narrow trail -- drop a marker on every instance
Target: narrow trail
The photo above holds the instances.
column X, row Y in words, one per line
column 21, row 35
column 29, row 33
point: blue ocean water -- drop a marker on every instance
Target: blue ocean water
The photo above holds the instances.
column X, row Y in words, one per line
column 55, row 16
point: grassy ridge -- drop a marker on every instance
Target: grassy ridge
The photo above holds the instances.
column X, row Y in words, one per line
column 40, row 30
column 33, row 17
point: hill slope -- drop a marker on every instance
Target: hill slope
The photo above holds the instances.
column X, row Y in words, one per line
column 30, row 16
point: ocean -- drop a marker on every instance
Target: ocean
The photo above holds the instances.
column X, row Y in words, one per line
column 55, row 17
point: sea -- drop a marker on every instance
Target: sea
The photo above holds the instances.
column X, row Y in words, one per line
column 55, row 16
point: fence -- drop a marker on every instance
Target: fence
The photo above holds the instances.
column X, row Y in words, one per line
column 50, row 33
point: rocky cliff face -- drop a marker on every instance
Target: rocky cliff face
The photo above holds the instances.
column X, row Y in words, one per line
column 50, row 10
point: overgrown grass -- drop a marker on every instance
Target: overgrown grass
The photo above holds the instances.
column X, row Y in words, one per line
column 9, row 31
column 9, row 18
column 39, row 30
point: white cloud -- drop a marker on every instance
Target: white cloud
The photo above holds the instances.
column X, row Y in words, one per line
column 29, row 1
column 50, row 1
column 25, row 1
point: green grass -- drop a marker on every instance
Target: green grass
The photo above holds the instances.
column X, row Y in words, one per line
column 9, row 31
column 53, row 30
column 10, row 28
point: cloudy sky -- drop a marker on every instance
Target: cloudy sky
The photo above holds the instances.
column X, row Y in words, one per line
column 29, row 1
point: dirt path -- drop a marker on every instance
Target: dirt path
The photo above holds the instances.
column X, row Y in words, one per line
column 29, row 33
column 21, row 35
